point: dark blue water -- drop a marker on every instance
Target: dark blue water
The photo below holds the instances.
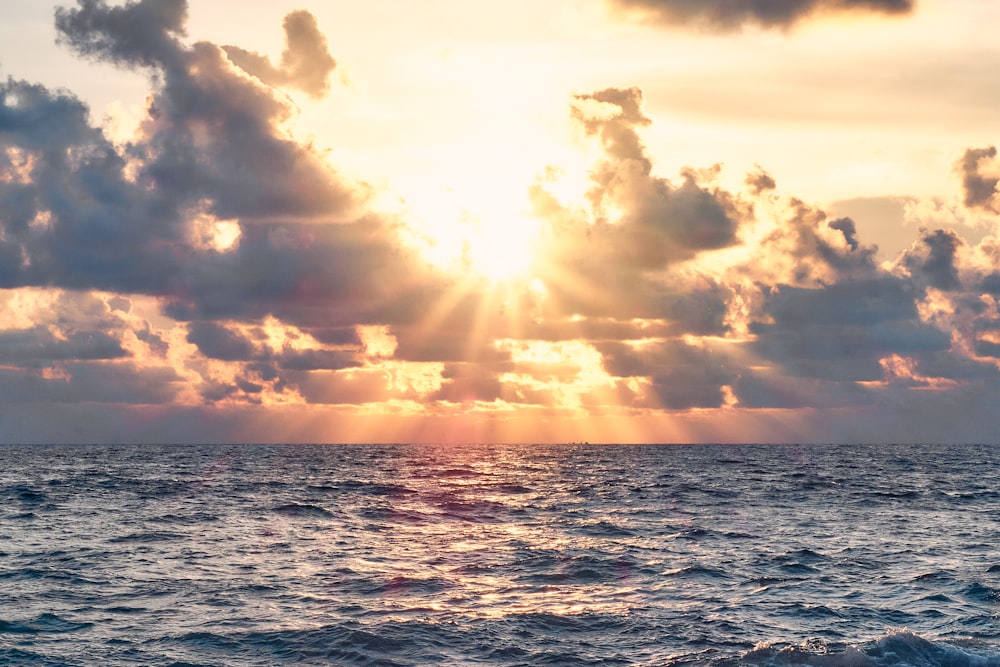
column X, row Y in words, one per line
column 505, row 555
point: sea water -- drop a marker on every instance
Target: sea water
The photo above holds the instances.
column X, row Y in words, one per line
column 500, row 555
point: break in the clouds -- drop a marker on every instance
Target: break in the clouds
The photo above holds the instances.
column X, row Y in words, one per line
column 213, row 266
column 732, row 14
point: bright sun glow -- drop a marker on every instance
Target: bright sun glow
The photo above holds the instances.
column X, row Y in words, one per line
column 487, row 233
column 502, row 248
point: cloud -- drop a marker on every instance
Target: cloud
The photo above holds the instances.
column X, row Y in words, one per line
column 840, row 332
column 214, row 261
column 725, row 15
column 270, row 345
column 240, row 234
column 306, row 62
column 211, row 154
column 142, row 33
column 933, row 259
column 979, row 188
column 211, row 134
column 680, row 375
column 604, row 259
column 26, row 347
column 99, row 383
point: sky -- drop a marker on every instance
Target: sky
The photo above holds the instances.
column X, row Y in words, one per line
column 531, row 221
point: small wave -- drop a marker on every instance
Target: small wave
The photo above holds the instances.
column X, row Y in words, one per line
column 799, row 568
column 451, row 473
column 402, row 585
column 62, row 575
column 563, row 623
column 28, row 495
column 126, row 610
column 771, row 581
column 416, row 642
column 476, row 510
column 907, row 494
column 580, row 570
column 696, row 571
column 42, row 624
column 392, row 515
column 605, row 529
column 193, row 519
column 899, row 648
column 14, row 656
column 982, row 593
column 303, row 511
column 388, row 490
column 150, row 536
column 693, row 533
column 507, row 487
column 905, row 647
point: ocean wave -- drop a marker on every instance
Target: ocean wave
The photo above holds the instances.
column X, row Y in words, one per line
column 147, row 536
column 42, row 624
column 898, row 648
column 304, row 511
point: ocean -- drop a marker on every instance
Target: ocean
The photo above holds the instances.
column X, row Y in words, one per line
column 709, row 555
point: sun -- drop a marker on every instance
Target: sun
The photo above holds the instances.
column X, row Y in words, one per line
column 502, row 247
column 485, row 234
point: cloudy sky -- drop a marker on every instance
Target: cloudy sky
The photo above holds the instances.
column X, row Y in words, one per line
column 557, row 220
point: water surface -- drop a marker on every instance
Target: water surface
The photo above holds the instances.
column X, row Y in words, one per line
column 506, row 555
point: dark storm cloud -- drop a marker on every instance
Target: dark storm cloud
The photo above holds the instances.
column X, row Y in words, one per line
column 306, row 62
column 723, row 15
column 980, row 191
